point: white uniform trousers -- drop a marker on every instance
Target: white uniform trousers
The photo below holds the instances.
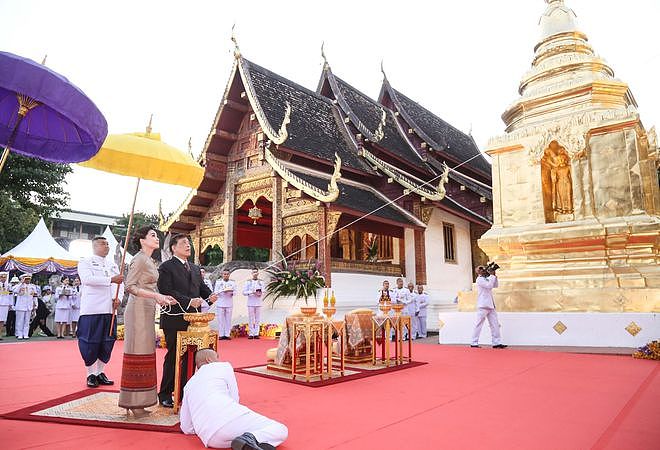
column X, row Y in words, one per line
column 482, row 314
column 254, row 315
column 4, row 311
column 263, row 428
column 414, row 323
column 224, row 320
column 22, row 324
column 422, row 326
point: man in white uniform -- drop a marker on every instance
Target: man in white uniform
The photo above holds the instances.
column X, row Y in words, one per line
column 421, row 303
column 225, row 288
column 402, row 295
column 26, row 299
column 212, row 411
column 486, row 282
column 99, row 278
column 253, row 290
column 6, row 299
column 411, row 310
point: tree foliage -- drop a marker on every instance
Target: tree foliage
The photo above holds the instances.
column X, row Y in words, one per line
column 140, row 219
column 29, row 188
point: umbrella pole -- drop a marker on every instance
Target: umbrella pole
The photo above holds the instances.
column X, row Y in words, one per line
column 123, row 254
column 10, row 141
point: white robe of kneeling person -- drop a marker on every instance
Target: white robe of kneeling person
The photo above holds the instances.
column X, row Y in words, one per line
column 211, row 410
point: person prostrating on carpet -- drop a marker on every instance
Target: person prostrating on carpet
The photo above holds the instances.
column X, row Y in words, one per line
column 183, row 281
column 138, row 372
column 99, row 278
column 212, row 411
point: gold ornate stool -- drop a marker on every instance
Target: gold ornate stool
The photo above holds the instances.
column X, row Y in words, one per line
column 313, row 330
column 380, row 325
column 198, row 336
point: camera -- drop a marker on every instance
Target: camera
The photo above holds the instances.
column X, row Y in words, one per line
column 492, row 267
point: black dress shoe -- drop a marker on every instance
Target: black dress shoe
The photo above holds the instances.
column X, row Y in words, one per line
column 167, row 403
column 92, row 381
column 104, row 380
column 474, row 346
column 500, row 346
column 255, row 337
column 245, row 441
column 250, row 337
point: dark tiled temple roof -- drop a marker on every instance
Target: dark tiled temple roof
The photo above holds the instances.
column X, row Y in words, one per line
column 315, row 126
column 450, row 139
column 362, row 200
column 370, row 113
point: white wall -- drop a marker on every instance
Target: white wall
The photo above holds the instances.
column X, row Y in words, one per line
column 444, row 280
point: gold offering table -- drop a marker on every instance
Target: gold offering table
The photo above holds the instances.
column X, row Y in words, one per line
column 381, row 330
column 307, row 350
column 198, row 336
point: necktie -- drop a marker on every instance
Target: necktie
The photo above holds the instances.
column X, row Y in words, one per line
column 186, row 265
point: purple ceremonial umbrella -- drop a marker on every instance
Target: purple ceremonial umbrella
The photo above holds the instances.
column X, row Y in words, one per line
column 43, row 115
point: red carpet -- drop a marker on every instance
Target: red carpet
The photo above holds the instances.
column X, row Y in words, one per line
column 462, row 399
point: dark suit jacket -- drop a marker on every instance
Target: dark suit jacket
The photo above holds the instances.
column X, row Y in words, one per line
column 175, row 280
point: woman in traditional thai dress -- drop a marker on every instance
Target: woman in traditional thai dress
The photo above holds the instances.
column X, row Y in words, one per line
column 63, row 307
column 138, row 376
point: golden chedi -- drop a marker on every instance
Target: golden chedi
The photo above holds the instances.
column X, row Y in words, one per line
column 575, row 186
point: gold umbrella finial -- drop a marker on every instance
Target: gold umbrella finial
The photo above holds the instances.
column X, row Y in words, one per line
column 43, row 62
column 151, row 118
column 237, row 50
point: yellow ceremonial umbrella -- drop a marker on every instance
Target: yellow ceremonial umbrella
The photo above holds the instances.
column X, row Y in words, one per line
column 145, row 156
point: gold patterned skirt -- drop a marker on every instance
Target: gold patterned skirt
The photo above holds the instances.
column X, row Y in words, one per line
column 138, row 374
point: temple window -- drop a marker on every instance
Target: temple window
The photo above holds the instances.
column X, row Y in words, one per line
column 449, row 242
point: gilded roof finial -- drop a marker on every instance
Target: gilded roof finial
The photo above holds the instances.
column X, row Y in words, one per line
column 237, row 50
column 325, row 60
column 151, row 118
column 43, row 62
column 382, row 70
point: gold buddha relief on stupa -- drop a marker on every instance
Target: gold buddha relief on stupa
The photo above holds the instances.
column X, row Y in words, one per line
column 575, row 185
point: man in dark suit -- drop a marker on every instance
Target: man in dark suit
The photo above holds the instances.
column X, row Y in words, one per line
column 183, row 281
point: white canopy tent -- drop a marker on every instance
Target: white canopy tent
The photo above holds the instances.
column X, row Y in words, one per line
column 39, row 252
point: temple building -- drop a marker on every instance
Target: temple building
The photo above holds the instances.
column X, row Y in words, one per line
column 375, row 189
column 576, row 226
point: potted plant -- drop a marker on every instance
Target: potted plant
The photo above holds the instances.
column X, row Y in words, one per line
column 287, row 281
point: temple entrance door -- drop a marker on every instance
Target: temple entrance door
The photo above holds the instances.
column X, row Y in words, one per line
column 254, row 230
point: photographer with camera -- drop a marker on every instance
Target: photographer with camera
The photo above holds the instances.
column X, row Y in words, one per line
column 486, row 282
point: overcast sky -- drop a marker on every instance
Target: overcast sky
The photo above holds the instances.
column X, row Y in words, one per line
column 463, row 60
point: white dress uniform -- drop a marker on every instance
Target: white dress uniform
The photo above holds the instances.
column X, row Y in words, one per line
column 63, row 305
column 403, row 296
column 422, row 304
column 486, row 309
column 97, row 293
column 224, row 305
column 6, row 300
column 25, row 303
column 75, row 303
column 211, row 410
column 254, row 289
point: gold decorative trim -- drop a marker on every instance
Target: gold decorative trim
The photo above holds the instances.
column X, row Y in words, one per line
column 277, row 137
column 333, row 189
column 408, row 181
column 301, row 231
column 332, row 221
column 426, row 215
column 241, row 198
column 210, row 242
column 559, row 327
column 633, row 329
